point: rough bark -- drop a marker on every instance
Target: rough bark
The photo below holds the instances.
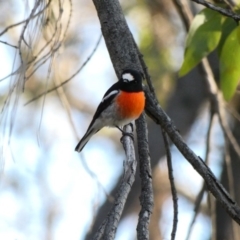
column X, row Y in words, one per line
column 146, row 197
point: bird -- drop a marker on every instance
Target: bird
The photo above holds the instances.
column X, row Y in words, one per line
column 122, row 103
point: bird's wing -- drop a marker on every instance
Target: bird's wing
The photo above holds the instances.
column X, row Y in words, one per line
column 107, row 99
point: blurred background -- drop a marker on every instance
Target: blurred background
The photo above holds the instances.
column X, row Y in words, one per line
column 47, row 190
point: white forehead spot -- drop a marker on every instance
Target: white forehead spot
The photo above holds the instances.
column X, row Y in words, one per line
column 128, row 76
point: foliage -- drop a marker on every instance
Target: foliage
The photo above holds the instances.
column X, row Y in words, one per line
column 209, row 31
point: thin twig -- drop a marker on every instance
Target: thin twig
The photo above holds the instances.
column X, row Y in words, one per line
column 52, row 56
column 203, row 188
column 26, row 24
column 146, row 197
column 18, row 84
column 223, row 11
column 68, row 21
column 227, row 159
column 70, row 78
column 173, row 188
column 217, row 102
column 227, row 131
column 27, row 19
column 8, row 44
column 184, row 12
column 196, row 209
column 212, row 212
column 44, row 99
column 155, row 112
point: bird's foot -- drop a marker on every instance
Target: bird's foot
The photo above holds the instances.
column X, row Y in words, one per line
column 124, row 134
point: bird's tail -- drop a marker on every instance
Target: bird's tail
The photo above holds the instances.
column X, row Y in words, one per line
column 85, row 139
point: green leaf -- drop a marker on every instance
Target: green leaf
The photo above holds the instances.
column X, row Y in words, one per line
column 228, row 26
column 230, row 64
column 203, row 37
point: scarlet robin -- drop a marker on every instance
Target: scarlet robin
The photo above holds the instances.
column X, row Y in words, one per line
column 123, row 102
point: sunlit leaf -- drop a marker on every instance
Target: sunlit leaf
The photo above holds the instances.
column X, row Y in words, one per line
column 203, row 37
column 230, row 64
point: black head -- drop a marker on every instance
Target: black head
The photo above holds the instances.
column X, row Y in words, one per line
column 131, row 81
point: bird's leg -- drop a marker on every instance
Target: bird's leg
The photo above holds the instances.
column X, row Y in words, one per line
column 126, row 133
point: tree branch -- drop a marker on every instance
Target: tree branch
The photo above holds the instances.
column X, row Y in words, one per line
column 146, row 197
column 108, row 228
column 173, row 188
column 223, row 11
column 117, row 36
column 154, row 111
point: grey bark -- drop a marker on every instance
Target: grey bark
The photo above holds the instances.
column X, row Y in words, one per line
column 146, row 197
column 108, row 228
